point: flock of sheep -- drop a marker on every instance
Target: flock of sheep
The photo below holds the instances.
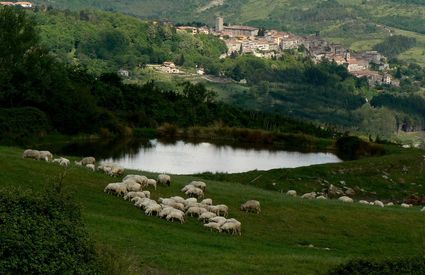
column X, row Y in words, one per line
column 89, row 162
column 346, row 199
column 177, row 208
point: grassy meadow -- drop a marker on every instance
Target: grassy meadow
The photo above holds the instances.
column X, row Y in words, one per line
column 290, row 236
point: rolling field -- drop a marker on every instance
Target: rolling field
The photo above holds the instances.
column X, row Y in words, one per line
column 290, row 236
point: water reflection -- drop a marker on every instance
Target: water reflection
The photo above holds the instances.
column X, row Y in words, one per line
column 189, row 158
column 184, row 157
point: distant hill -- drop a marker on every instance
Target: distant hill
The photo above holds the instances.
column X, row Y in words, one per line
column 359, row 24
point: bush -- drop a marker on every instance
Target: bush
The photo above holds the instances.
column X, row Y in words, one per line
column 351, row 148
column 43, row 234
column 411, row 266
column 20, row 124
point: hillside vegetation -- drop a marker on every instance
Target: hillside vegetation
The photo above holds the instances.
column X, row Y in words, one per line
column 290, row 236
column 360, row 24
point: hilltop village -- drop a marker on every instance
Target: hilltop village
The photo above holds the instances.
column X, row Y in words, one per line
column 272, row 44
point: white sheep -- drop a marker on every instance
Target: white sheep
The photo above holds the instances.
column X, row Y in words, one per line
column 164, row 179
column 88, row 160
column 175, row 214
column 142, row 180
column 117, row 188
column 405, row 205
column 197, row 211
column 165, row 211
column 309, row 196
column 232, row 226
column 321, row 198
column 199, row 184
column 91, row 167
column 364, row 202
column 178, row 199
column 213, row 225
column 346, row 199
column 423, row 209
column 191, row 200
column 207, row 202
column 45, row 155
column 132, row 186
column 64, row 162
column 151, row 182
column 291, row 193
column 222, row 210
column 153, row 208
column 130, row 195
column 390, row 204
column 220, row 220
column 31, row 154
column 195, row 192
column 378, row 203
column 206, row 216
column 251, row 206
column 147, row 194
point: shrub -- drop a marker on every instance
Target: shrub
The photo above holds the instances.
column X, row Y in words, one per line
column 400, row 266
column 43, row 234
column 350, row 148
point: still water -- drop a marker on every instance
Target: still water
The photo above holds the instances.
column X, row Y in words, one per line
column 180, row 157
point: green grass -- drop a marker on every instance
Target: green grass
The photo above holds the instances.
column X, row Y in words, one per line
column 275, row 241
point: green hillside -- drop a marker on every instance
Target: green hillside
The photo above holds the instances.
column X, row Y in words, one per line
column 359, row 24
column 290, row 236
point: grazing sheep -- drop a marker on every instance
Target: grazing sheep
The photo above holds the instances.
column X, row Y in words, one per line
column 178, row 199
column 309, row 196
column 88, row 160
column 45, row 155
column 147, row 194
column 199, row 184
column 321, row 198
column 213, row 225
column 222, row 210
column 220, row 220
column 132, row 186
column 207, row 202
column 153, row 208
column 251, row 206
column 175, row 214
column 233, row 227
column 390, row 204
column 346, row 199
column 405, row 205
column 117, row 188
column 364, row 202
column 31, row 154
column 197, row 211
column 132, row 195
column 423, row 209
column 165, row 211
column 151, row 182
column 142, row 180
column 164, row 179
column 91, row 167
column 195, row 192
column 116, row 171
column 291, row 193
column 206, row 216
column 378, row 203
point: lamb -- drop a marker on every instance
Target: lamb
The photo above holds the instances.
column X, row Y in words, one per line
column 91, row 167
column 213, row 225
column 164, row 179
column 195, row 192
column 206, row 216
column 175, row 214
column 45, row 155
column 196, row 211
column 291, row 193
column 218, row 219
column 378, row 203
column 206, row 202
column 346, row 199
column 151, row 182
column 199, row 184
column 251, row 206
column 309, row 196
column 31, row 154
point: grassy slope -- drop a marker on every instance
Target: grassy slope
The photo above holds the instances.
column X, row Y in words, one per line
column 275, row 241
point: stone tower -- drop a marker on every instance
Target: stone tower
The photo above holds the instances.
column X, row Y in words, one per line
column 219, row 24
